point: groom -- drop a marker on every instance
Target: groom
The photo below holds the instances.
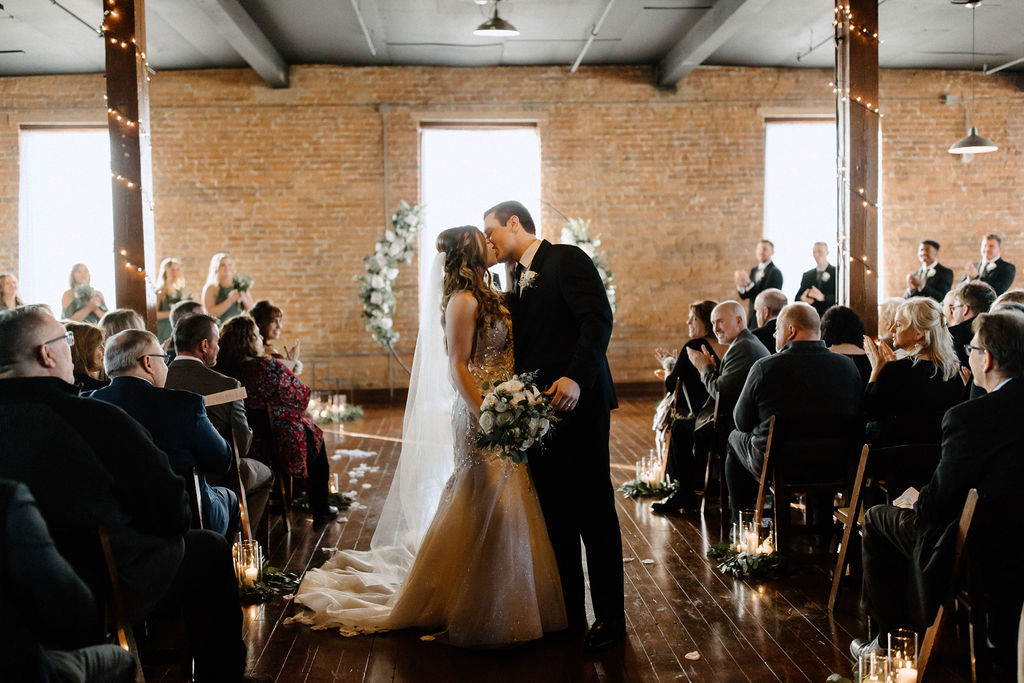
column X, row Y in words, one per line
column 561, row 326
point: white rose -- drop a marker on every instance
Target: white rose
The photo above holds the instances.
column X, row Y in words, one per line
column 396, row 248
column 500, row 406
column 386, row 323
column 514, row 386
column 489, row 401
column 931, row 272
column 534, row 426
column 392, row 273
column 389, row 236
column 545, row 425
column 526, row 444
column 504, row 418
column 377, row 282
column 567, row 236
column 588, row 249
column 825, row 277
column 376, row 298
column 486, row 421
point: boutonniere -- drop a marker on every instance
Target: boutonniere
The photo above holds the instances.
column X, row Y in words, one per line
column 759, row 275
column 931, row 272
column 990, row 266
column 527, row 279
column 825, row 277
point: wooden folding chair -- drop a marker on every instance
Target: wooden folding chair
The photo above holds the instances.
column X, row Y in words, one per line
column 195, row 499
column 243, row 501
column 960, row 560
column 848, row 516
column 721, row 425
column 116, row 611
column 261, row 421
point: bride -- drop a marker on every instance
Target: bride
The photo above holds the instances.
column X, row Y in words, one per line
column 484, row 570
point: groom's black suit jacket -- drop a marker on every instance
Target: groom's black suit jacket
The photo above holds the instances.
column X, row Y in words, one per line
column 562, row 324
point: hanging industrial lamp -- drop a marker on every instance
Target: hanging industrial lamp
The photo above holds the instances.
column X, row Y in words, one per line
column 972, row 143
column 496, row 26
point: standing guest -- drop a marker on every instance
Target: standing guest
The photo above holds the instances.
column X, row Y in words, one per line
column 991, row 269
column 268, row 320
column 767, row 307
column 842, row 330
column 908, row 554
column 681, row 465
column 779, row 386
column 119, row 320
column 818, row 285
column 270, row 384
column 81, row 302
column 221, row 298
column 970, row 300
column 764, row 275
column 932, row 279
column 87, row 356
column 197, row 341
column 171, row 290
column 9, row 292
column 177, row 421
column 906, row 398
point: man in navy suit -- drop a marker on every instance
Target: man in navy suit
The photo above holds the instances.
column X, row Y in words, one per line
column 177, row 420
column 818, row 285
column 991, row 269
column 932, row 278
column 765, row 275
column 562, row 323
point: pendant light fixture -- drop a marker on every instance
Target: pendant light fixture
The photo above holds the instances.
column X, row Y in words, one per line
column 972, row 143
column 496, row 26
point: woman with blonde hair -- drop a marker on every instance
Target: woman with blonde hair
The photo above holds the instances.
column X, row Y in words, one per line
column 906, row 398
column 9, row 297
column 221, row 296
column 170, row 290
column 119, row 320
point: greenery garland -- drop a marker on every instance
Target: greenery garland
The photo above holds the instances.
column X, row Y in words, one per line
column 274, row 582
column 328, row 415
column 745, row 565
column 338, row 500
column 638, row 488
column 576, row 232
column 377, row 292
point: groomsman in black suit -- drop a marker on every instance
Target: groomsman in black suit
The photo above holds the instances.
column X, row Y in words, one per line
column 818, row 285
column 907, row 554
column 991, row 269
column 562, row 323
column 765, row 275
column 767, row 307
column 932, row 278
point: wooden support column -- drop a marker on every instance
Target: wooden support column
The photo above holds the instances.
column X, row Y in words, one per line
column 124, row 23
column 857, row 131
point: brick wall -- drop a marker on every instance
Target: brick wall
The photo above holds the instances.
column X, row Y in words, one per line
column 298, row 183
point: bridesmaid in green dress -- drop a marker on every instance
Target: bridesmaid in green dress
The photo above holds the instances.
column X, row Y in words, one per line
column 81, row 302
column 171, row 290
column 9, row 292
column 220, row 297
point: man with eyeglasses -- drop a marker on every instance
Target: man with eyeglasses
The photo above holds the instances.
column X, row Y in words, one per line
column 908, row 554
column 969, row 301
column 137, row 367
column 87, row 464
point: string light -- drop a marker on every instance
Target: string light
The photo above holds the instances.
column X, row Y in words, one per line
column 128, row 265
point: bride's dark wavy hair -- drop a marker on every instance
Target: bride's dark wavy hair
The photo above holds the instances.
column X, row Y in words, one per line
column 465, row 268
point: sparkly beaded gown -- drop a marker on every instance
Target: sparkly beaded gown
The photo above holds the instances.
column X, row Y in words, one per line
column 485, row 572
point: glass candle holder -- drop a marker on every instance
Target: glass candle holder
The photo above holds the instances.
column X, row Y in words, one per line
column 873, row 667
column 903, row 655
column 333, row 483
column 248, row 559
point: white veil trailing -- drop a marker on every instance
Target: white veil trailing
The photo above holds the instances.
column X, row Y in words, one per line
column 427, row 459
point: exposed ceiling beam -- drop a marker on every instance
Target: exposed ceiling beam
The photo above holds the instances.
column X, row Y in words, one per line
column 242, row 33
column 709, row 33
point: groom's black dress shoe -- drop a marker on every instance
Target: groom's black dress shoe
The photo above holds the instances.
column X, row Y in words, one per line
column 604, row 634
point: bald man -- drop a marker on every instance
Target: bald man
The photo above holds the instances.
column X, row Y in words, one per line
column 804, row 379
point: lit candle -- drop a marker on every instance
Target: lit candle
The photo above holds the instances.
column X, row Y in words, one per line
column 906, row 675
column 250, row 576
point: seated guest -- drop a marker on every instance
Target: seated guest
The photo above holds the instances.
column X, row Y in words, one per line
column 818, row 285
column 991, row 269
column 932, row 279
column 82, row 477
column 680, row 465
column 887, row 320
column 220, row 297
column 767, row 307
column 80, row 302
column 119, row 320
column 1014, row 295
column 947, row 307
column 906, row 398
column 765, row 275
column 9, row 297
column 176, row 419
column 271, row 385
column 42, row 600
column 908, row 554
column 969, row 301
column 87, row 355
column 179, row 311
column 804, row 379
column 268, row 320
column 197, row 339
column 843, row 332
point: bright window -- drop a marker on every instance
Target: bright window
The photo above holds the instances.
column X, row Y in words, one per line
column 65, row 213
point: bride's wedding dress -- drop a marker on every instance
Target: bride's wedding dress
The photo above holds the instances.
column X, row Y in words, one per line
column 485, row 571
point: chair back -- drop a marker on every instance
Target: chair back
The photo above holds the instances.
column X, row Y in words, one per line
column 264, row 447
column 116, row 607
column 195, row 499
column 682, row 393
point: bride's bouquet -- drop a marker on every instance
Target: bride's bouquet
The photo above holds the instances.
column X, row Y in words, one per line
column 515, row 417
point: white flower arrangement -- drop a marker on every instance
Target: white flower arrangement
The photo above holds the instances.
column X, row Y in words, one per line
column 576, row 232
column 527, row 279
column 515, row 417
column 377, row 292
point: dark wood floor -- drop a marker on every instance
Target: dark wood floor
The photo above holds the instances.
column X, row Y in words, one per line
column 679, row 604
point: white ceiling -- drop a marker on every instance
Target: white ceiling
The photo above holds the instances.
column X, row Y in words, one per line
column 47, row 37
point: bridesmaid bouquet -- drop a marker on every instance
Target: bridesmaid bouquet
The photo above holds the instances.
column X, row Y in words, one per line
column 241, row 282
column 515, row 417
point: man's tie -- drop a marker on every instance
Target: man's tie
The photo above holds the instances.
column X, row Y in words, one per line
column 516, row 274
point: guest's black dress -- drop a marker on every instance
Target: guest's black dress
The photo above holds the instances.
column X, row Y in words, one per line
column 905, row 404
